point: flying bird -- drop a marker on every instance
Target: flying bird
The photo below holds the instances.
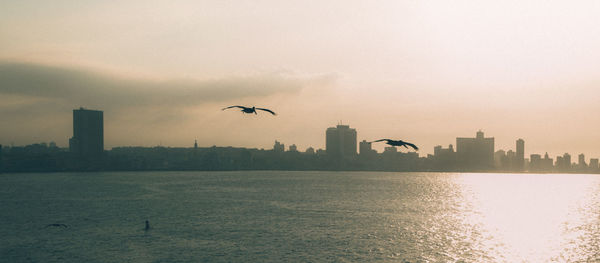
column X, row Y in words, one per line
column 250, row 110
column 398, row 143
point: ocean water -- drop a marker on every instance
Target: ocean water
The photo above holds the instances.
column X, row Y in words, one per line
column 274, row 216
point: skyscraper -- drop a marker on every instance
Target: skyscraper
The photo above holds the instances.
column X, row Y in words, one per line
column 593, row 164
column 520, row 160
column 278, row 147
column 88, row 133
column 567, row 161
column 340, row 142
column 581, row 161
column 475, row 153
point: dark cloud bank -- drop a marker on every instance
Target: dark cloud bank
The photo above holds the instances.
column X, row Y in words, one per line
column 36, row 100
column 75, row 87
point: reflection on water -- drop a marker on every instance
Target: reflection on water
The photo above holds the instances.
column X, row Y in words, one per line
column 299, row 216
column 535, row 218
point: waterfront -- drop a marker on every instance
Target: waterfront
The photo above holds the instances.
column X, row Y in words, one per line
column 299, row 216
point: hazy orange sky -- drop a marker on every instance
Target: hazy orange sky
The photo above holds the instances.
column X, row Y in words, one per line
column 422, row 71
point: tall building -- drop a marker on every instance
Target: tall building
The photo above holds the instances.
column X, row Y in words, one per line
column 593, row 164
column 581, row 162
column 560, row 163
column 88, row 133
column 520, row 158
column 567, row 161
column 475, row 153
column 340, row 142
column 278, row 147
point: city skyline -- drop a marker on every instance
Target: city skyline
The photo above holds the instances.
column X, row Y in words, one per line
column 476, row 153
column 417, row 70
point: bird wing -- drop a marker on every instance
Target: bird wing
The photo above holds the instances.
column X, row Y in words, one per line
column 241, row 107
column 267, row 110
column 411, row 145
column 387, row 140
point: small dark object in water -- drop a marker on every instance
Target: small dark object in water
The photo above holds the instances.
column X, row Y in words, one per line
column 58, row 225
column 147, row 226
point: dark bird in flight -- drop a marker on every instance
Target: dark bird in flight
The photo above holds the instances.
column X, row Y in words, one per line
column 250, row 110
column 398, row 143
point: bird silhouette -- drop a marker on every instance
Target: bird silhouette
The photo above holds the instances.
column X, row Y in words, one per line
column 398, row 143
column 250, row 110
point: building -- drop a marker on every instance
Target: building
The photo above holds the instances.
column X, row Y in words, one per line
column 520, row 157
column 390, row 150
column 535, row 162
column 567, row 161
column 438, row 151
column 340, row 141
column 593, row 164
column 88, row 133
column 547, row 164
column 475, row 153
column 444, row 158
column 500, row 160
column 365, row 148
column 278, row 147
column 310, row 150
column 560, row 163
column 293, row 148
column 581, row 162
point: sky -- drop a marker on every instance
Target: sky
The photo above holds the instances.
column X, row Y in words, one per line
column 422, row 71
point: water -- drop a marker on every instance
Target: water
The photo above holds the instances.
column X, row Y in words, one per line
column 299, row 216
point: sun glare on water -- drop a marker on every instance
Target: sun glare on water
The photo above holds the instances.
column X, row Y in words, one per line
column 525, row 219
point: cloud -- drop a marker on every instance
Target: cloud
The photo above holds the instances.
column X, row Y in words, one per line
column 35, row 97
column 83, row 87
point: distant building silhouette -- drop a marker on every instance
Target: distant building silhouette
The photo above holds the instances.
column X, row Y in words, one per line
column 567, row 161
column 278, row 147
column 444, row 158
column 340, row 142
column 501, row 160
column 366, row 149
column 88, row 133
column 559, row 163
column 520, row 157
column 390, row 150
column 593, row 164
column 511, row 158
column 581, row 162
column 310, row 150
column 547, row 163
column 535, row 162
column 475, row 153
column 293, row 148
